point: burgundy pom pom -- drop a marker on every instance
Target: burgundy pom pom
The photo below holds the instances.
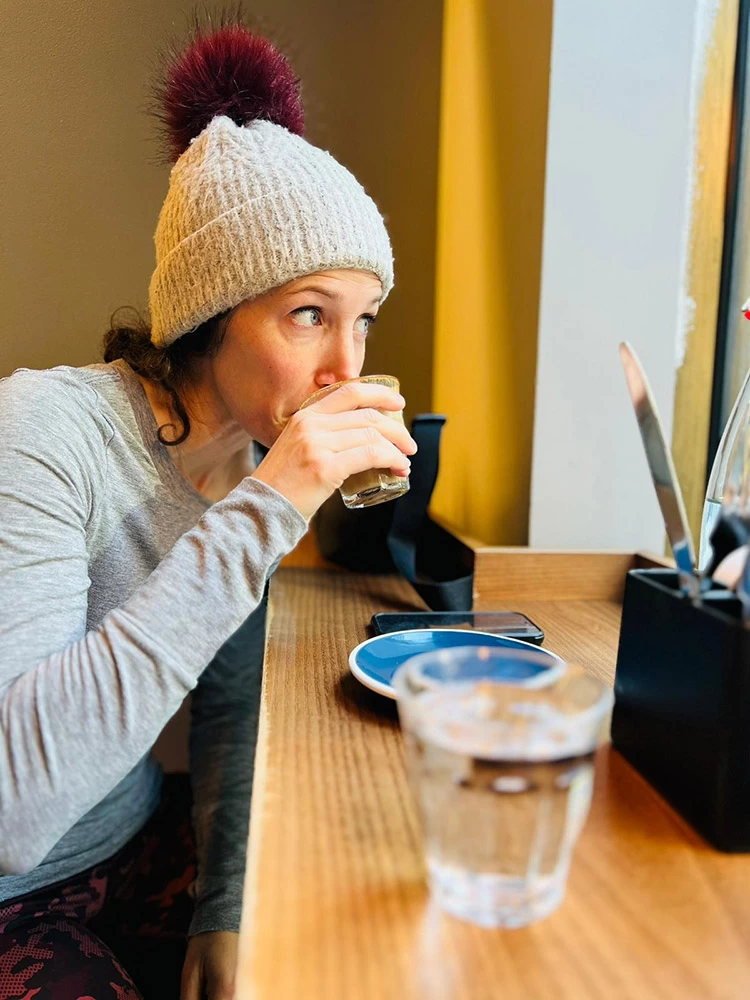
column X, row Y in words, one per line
column 228, row 72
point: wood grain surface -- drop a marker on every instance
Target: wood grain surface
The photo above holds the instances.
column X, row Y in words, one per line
column 524, row 574
column 336, row 906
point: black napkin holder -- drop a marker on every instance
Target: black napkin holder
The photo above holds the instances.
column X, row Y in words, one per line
column 682, row 702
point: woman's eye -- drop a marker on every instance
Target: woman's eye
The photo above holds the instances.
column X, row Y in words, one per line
column 364, row 324
column 307, row 315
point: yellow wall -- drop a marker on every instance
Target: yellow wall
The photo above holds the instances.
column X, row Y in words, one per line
column 496, row 60
column 82, row 186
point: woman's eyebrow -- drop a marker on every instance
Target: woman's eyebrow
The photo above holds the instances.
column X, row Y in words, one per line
column 314, row 288
column 324, row 291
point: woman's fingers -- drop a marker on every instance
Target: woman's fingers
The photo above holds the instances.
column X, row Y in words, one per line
column 355, row 395
column 373, row 421
column 380, row 455
column 359, row 437
column 323, row 444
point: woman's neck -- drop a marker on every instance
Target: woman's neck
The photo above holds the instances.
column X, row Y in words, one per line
column 214, row 442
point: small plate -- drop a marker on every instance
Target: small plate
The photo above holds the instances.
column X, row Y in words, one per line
column 375, row 661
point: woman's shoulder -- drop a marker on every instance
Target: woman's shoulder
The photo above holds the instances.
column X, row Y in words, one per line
column 63, row 380
column 63, row 402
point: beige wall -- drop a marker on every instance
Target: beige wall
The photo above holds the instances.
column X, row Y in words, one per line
column 81, row 183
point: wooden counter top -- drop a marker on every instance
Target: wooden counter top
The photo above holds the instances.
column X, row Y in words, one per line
column 335, row 903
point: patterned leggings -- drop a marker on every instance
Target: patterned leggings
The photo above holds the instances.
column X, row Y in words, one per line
column 75, row 940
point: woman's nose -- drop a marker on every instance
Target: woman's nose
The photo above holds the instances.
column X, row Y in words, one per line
column 340, row 364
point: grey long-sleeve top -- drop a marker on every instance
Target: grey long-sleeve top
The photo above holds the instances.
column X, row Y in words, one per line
column 122, row 589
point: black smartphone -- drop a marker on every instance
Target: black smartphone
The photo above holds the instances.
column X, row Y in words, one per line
column 510, row 623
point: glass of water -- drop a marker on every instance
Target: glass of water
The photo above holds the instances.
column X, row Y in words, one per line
column 500, row 750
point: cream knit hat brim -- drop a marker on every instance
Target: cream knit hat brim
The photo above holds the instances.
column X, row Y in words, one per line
column 248, row 209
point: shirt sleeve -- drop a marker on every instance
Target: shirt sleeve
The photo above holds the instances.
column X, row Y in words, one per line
column 223, row 736
column 78, row 708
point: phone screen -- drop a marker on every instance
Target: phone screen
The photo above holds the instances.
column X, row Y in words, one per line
column 510, row 623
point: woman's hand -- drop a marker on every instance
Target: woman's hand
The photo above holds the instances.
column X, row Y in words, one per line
column 210, row 966
column 325, row 443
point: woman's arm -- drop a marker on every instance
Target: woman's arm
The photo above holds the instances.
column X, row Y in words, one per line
column 79, row 709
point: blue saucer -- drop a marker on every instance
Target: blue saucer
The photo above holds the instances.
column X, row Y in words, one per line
column 375, row 661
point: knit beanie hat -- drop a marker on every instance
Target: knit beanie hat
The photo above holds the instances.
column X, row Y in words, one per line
column 251, row 204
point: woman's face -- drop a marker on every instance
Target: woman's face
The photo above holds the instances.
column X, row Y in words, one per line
column 283, row 346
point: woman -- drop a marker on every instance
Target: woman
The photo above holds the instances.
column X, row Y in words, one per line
column 137, row 535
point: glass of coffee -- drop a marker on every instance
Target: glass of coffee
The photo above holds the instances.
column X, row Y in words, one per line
column 365, row 489
column 500, row 749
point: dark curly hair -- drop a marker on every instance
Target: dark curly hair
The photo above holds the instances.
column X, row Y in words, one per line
column 169, row 366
